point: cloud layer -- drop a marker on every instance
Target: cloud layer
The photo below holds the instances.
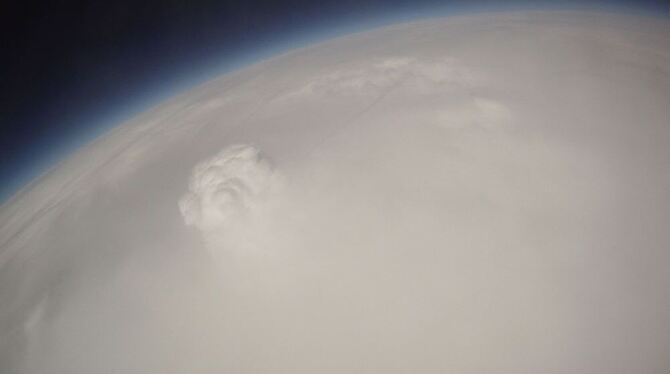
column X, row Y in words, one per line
column 393, row 215
column 414, row 75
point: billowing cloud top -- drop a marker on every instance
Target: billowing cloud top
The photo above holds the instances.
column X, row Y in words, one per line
column 226, row 186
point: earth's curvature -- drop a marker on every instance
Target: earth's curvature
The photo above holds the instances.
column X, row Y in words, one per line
column 475, row 194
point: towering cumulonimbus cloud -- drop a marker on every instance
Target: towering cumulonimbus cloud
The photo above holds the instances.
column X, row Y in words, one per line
column 226, row 186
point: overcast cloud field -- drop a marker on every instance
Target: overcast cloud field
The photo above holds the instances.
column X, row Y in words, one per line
column 472, row 194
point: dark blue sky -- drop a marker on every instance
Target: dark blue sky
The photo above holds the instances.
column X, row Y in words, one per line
column 71, row 69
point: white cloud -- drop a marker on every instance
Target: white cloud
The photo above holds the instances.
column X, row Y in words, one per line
column 226, row 186
column 376, row 76
column 476, row 112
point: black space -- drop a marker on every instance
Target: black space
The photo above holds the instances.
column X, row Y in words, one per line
column 66, row 64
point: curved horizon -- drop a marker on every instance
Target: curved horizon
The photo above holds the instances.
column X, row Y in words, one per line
column 114, row 113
